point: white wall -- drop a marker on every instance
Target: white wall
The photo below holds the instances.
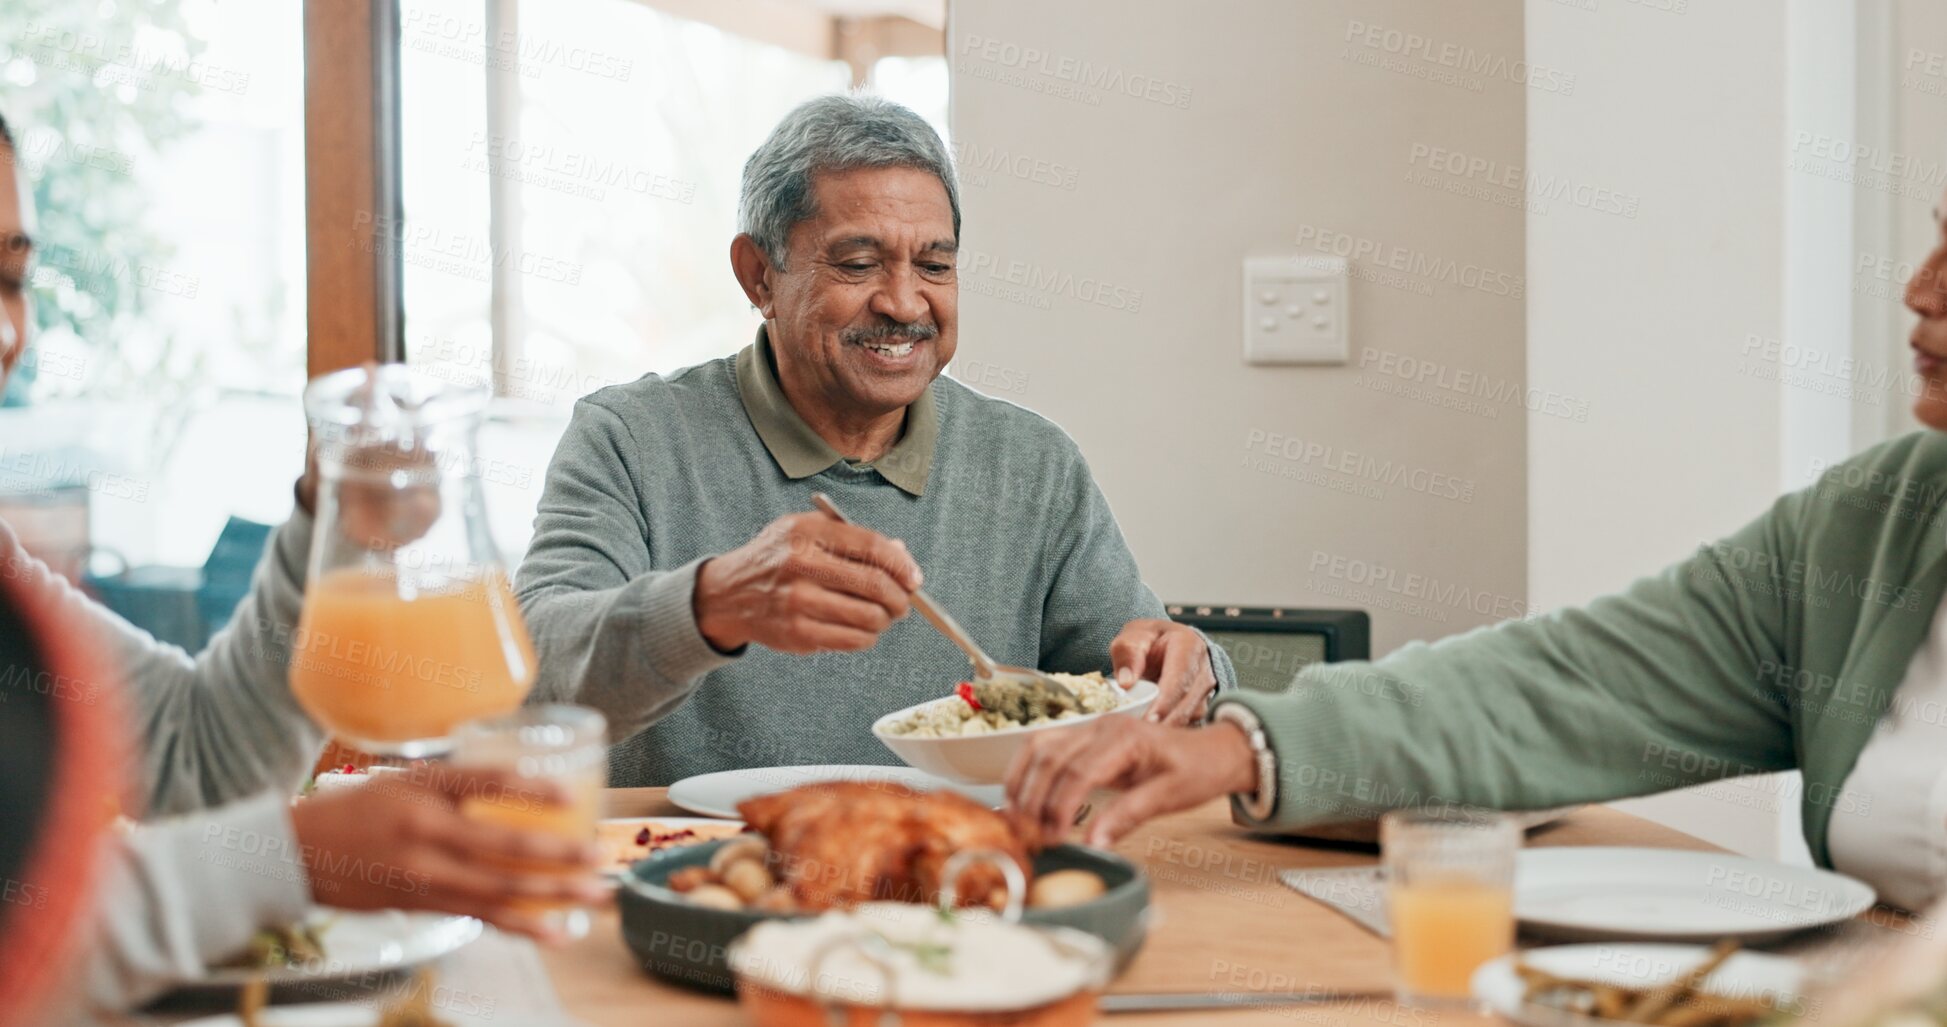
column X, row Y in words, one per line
column 1650, row 317
column 1268, row 126
column 1731, row 339
column 1681, row 287
column 1903, row 64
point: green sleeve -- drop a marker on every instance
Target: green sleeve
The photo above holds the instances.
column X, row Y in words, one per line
column 1654, row 688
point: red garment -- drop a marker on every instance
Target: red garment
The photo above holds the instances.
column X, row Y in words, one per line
column 41, row 932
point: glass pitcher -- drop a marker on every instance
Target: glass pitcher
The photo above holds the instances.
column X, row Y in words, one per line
column 409, row 627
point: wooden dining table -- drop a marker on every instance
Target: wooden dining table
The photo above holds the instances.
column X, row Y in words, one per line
column 1222, row 922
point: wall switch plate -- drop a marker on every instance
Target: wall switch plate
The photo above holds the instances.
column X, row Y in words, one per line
column 1295, row 310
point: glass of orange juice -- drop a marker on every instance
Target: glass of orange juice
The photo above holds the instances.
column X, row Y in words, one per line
column 408, row 626
column 1449, row 898
column 566, row 746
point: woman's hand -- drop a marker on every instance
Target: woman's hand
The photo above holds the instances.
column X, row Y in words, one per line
column 375, row 510
column 1159, row 770
column 400, row 842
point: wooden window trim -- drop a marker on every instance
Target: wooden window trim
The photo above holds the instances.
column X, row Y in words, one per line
column 352, row 183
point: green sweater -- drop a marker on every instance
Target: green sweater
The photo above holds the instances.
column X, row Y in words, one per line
column 1774, row 649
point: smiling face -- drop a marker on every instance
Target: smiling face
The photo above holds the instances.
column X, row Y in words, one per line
column 15, row 248
column 863, row 315
column 1926, row 295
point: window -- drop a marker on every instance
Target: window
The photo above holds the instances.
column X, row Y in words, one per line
column 163, row 146
column 571, row 171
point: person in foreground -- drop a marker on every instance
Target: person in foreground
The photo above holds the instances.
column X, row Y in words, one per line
column 678, row 576
column 1814, row 639
column 218, row 745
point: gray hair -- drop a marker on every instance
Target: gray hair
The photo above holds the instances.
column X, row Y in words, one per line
column 832, row 133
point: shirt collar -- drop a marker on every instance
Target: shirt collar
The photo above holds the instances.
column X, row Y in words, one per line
column 801, row 452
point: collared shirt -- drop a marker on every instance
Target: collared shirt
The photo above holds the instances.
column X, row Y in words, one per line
column 801, row 452
column 656, row 476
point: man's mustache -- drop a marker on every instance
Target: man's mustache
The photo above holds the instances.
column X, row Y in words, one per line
column 918, row 331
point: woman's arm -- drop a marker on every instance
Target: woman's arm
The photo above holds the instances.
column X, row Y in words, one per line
column 1653, row 688
column 213, row 727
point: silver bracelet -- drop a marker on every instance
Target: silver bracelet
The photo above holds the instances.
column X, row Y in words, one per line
column 1258, row 805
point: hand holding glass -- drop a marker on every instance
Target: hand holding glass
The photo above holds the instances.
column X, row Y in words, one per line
column 565, row 746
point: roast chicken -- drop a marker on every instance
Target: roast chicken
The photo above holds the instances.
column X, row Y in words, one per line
column 839, row 844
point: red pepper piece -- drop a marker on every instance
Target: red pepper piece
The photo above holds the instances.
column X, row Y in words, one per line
column 965, row 691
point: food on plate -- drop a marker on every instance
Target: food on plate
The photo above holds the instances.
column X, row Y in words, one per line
column 1005, row 705
column 847, row 842
column 1065, row 888
column 837, row 845
column 904, row 957
column 350, row 775
column 750, row 846
column 276, row 948
column 1678, row 1002
column 714, row 896
column 625, row 841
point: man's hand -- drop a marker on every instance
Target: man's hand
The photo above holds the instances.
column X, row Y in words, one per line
column 1159, row 770
column 400, row 842
column 1174, row 656
column 805, row 584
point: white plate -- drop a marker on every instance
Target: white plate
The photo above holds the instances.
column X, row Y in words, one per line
column 358, row 944
column 1744, row 975
column 717, row 795
column 983, row 759
column 341, row 1014
column 1592, row 894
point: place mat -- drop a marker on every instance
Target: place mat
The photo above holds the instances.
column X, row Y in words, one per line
column 1357, row 893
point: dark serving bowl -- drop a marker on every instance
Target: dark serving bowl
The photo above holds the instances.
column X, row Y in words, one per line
column 688, row 944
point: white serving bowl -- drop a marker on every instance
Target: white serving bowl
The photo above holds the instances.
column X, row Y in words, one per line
column 983, row 759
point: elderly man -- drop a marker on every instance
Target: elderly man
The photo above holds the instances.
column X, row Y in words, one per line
column 678, row 581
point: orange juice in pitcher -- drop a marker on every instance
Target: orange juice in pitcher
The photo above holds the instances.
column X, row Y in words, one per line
column 382, row 669
column 409, row 628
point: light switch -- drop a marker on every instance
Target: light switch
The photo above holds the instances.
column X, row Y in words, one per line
column 1311, row 292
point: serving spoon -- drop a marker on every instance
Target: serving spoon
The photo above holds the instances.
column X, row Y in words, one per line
column 1052, row 693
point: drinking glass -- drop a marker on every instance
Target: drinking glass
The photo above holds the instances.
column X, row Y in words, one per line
column 1449, row 897
column 408, row 626
column 564, row 745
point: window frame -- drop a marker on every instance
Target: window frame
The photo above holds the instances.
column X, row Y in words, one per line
column 352, row 184
column 360, row 162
